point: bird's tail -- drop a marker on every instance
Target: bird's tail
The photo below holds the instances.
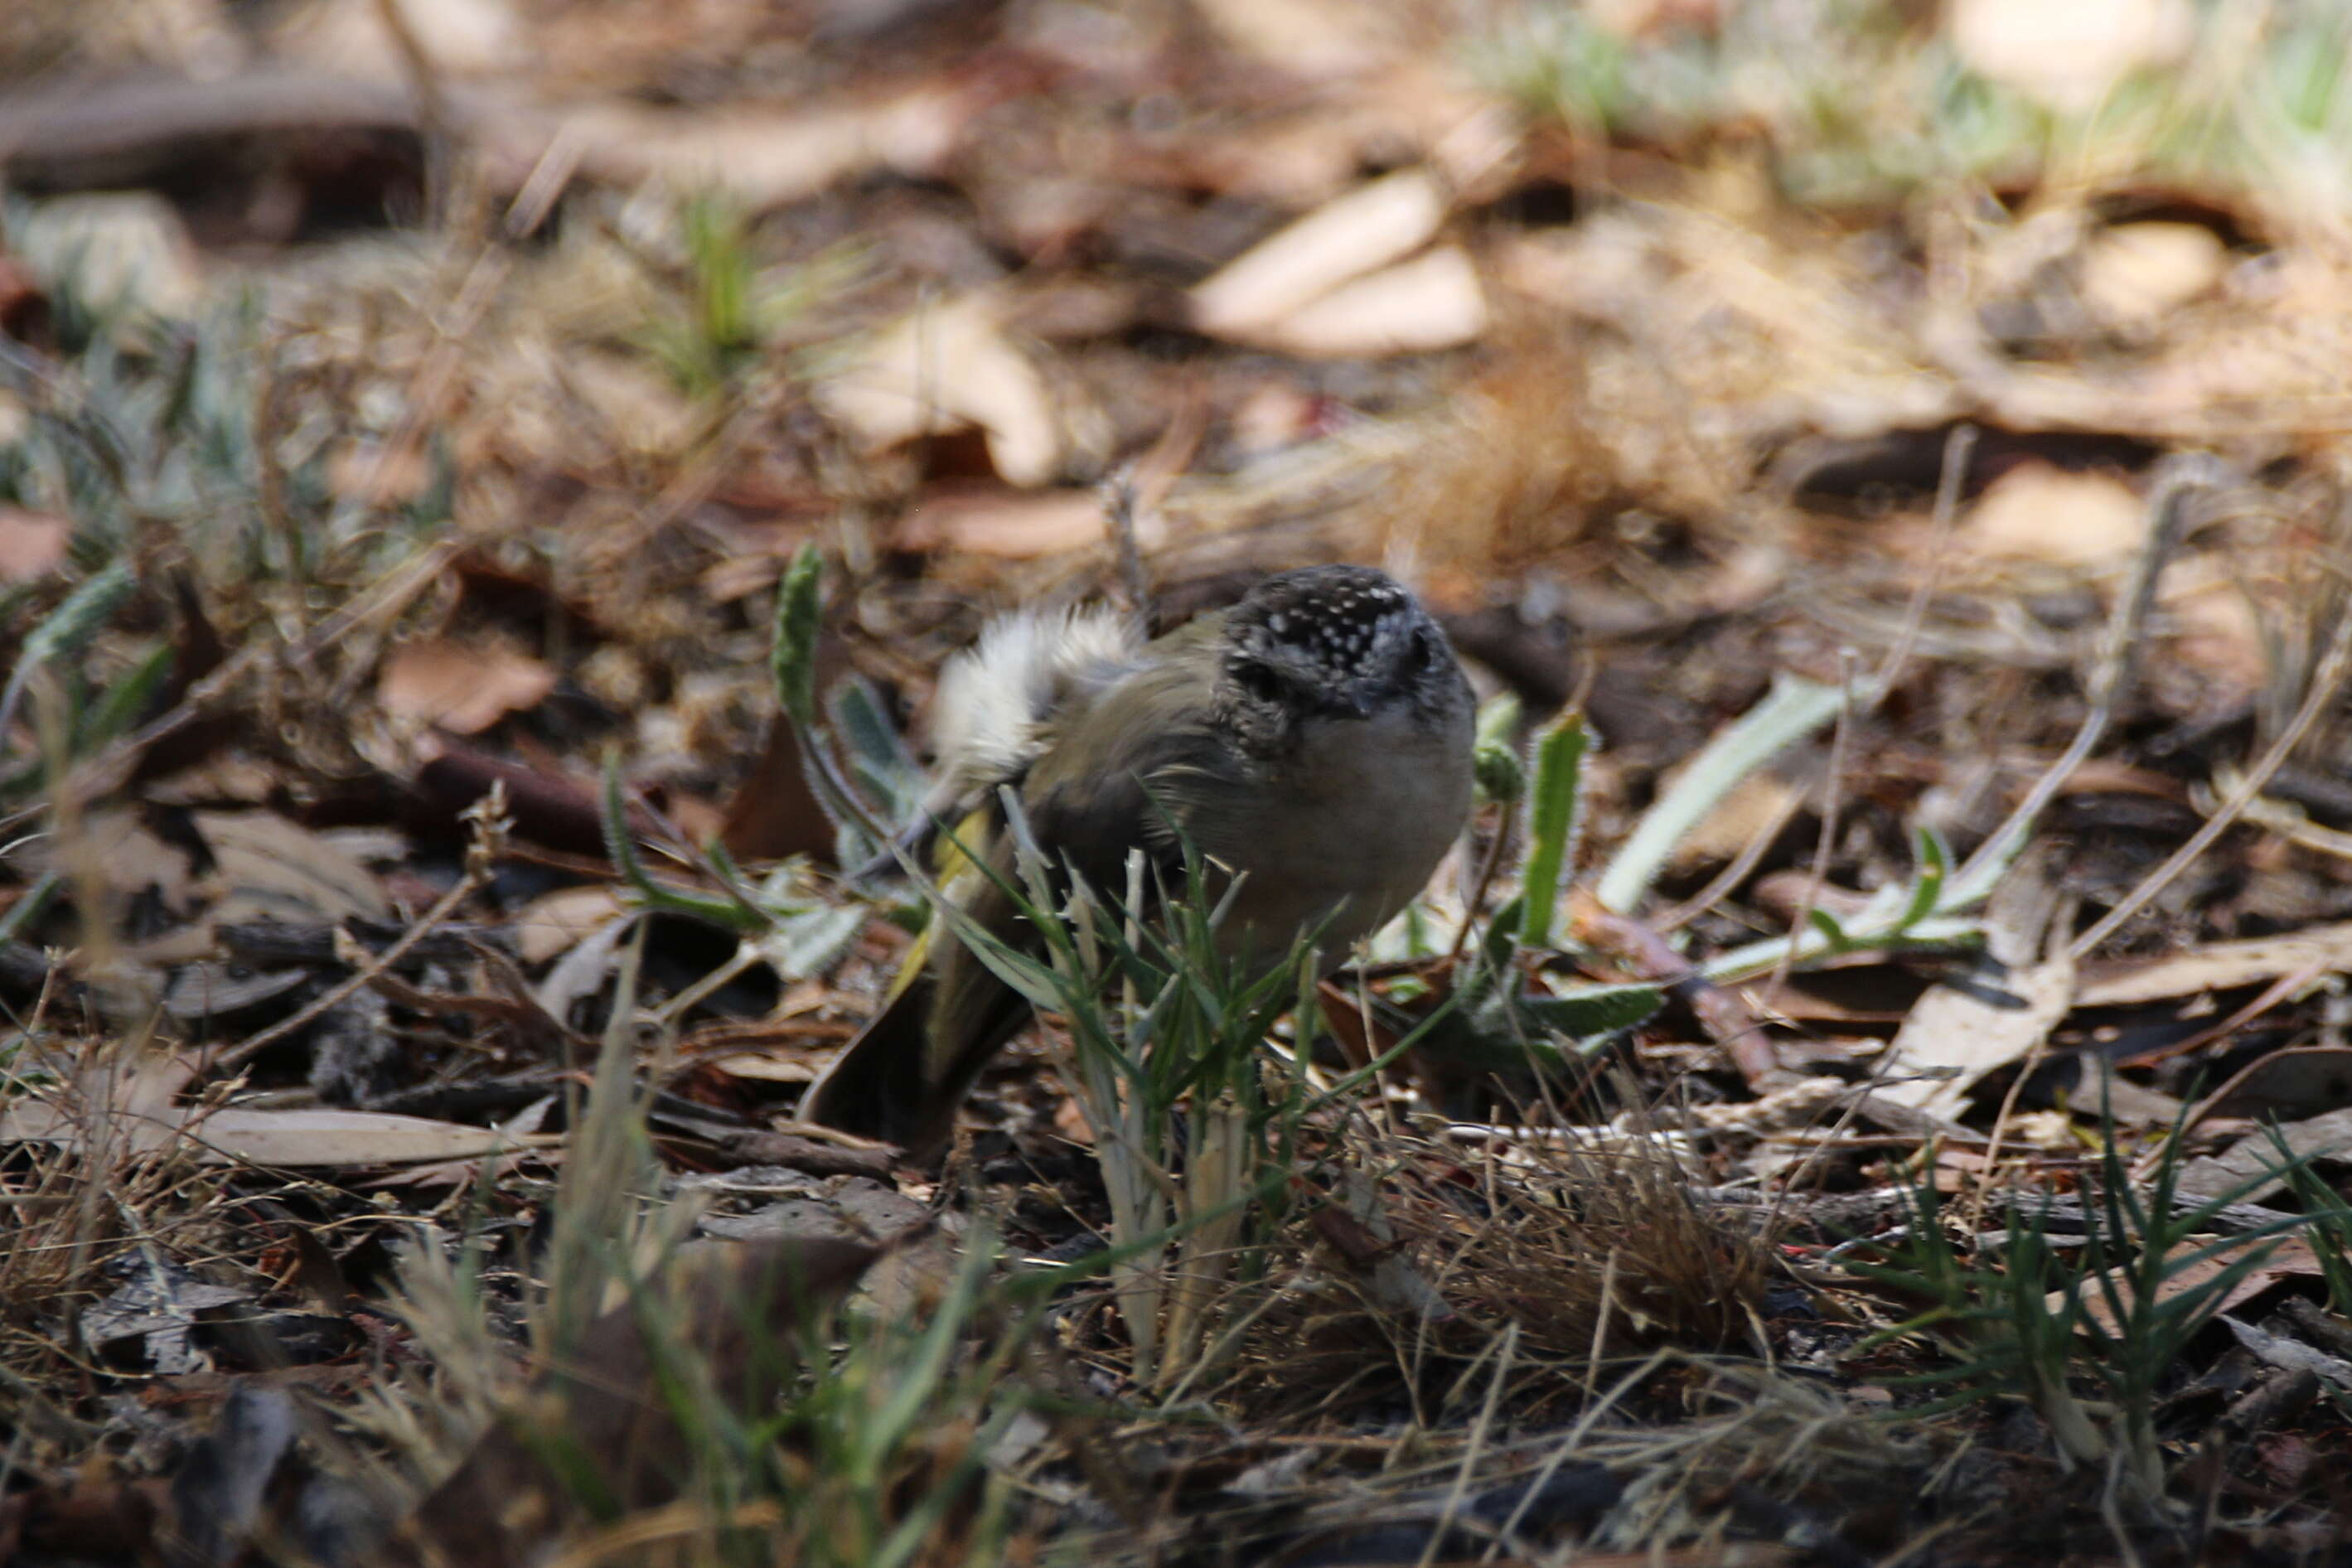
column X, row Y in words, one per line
column 904, row 1075
column 874, row 1087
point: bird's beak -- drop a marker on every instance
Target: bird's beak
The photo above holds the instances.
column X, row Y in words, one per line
column 1355, row 705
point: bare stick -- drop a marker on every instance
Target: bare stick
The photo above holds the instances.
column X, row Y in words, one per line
column 2325, row 682
column 2178, row 478
column 252, row 1045
column 1732, row 874
column 432, row 103
column 487, row 818
column 1122, row 499
column 1958, row 447
column 1488, row 864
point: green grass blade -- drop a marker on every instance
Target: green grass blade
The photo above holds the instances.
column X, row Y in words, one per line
column 1795, row 709
column 1560, row 749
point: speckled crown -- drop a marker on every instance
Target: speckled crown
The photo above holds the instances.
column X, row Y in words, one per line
column 1342, row 621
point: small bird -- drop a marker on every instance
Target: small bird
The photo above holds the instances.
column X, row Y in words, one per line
column 1314, row 739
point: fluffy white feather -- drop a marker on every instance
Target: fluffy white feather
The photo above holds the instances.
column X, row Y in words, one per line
column 997, row 699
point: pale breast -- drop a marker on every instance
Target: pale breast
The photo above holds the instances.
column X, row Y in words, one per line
column 1355, row 821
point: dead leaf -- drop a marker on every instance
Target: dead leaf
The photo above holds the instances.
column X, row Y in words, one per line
column 1762, row 802
column 1968, row 1033
column 1358, row 1226
column 2290, row 1258
column 225, row 778
column 1433, row 301
column 2125, row 1103
column 2039, row 512
column 517, row 1129
column 501, row 996
column 372, row 474
column 267, row 867
column 1957, row 1029
column 128, row 858
column 2069, row 55
column 951, row 367
column 157, row 1307
column 459, row 687
column 786, row 1046
column 340, row 1140
column 126, row 1102
column 460, row 37
column 302, row 1138
column 764, row 158
column 32, row 543
column 1368, row 228
column 2136, row 274
column 1008, row 524
column 2215, row 628
column 2291, row 1355
column 1308, row 38
column 206, row 989
column 2241, row 1172
column 552, row 923
column 583, row 970
column 641, row 410
column 769, row 1067
column 810, row 1156
column 2219, row 967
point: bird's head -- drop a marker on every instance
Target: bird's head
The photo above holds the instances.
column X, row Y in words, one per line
column 1339, row 643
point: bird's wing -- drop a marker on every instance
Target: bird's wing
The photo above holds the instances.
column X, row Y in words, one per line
column 1123, row 765
column 1099, row 792
column 1000, row 704
column 1111, row 764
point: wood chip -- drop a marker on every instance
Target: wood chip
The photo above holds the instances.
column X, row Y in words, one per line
column 1433, row 301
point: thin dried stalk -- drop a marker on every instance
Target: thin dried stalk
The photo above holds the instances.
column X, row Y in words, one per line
column 2325, row 681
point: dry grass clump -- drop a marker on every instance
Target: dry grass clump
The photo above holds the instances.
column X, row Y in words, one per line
column 1513, row 467
column 1546, row 451
column 73, row 1212
column 1597, row 1253
column 1575, row 1262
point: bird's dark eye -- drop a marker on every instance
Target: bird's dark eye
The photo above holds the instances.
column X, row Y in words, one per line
column 1423, row 654
column 1258, row 681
